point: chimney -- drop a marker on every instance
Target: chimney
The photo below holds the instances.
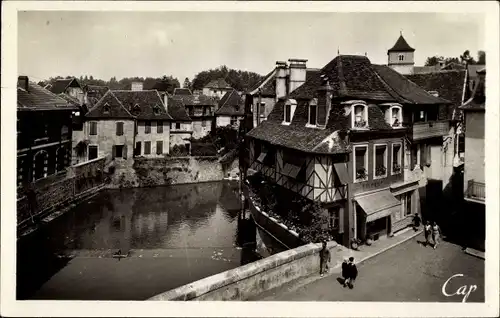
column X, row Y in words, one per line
column 136, row 86
column 165, row 101
column 297, row 73
column 324, row 101
column 23, row 82
column 281, row 79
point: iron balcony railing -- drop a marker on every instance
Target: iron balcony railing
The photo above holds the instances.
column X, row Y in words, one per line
column 475, row 190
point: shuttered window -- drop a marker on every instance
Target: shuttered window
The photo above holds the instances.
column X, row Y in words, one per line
column 147, row 147
column 119, row 129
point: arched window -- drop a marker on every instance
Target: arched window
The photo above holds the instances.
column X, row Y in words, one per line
column 401, row 57
column 360, row 116
column 40, row 161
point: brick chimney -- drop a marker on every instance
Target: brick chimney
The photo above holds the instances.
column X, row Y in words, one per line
column 136, row 86
column 297, row 73
column 23, row 82
column 281, row 79
column 324, row 101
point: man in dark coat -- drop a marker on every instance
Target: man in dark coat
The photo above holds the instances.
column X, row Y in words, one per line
column 344, row 271
column 352, row 273
column 325, row 258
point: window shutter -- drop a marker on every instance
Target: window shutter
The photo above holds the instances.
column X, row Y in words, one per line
column 428, row 158
column 113, row 151
column 124, row 152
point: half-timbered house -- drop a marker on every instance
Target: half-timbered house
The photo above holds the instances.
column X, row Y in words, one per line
column 339, row 139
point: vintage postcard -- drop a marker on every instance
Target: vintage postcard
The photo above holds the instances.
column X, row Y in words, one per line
column 250, row 159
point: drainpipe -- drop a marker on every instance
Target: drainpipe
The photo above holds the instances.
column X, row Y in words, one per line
column 258, row 106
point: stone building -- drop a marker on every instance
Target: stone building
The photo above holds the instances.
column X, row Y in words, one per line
column 340, row 139
column 401, row 57
column 200, row 109
column 217, row 88
column 44, row 132
column 230, row 110
column 181, row 128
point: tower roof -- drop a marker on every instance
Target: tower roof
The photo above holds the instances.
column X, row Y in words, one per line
column 401, row 46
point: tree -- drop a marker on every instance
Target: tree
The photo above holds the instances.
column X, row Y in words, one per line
column 237, row 79
column 187, row 83
column 434, row 60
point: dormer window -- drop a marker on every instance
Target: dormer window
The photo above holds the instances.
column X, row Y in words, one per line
column 106, row 108
column 396, row 116
column 360, row 116
column 156, row 110
column 313, row 113
column 289, row 110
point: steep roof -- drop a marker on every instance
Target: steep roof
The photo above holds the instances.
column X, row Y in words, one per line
column 401, row 46
column 61, row 85
column 426, row 69
column 177, row 110
column 70, row 99
column 218, row 83
column 231, row 104
column 94, row 93
column 150, row 104
column 182, row 91
column 196, row 100
column 268, row 83
column 37, row 98
column 478, row 99
column 115, row 108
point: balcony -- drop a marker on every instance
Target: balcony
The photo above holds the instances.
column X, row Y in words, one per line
column 475, row 191
column 430, row 129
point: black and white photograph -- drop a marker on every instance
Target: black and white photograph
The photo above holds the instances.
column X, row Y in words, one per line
column 253, row 154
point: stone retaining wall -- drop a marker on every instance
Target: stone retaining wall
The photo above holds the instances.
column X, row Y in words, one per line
column 252, row 279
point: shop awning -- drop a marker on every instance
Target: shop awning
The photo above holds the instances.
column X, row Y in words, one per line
column 341, row 168
column 378, row 205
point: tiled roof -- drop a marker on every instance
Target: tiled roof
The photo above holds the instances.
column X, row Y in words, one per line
column 268, row 84
column 218, row 83
column 407, row 90
column 231, row 104
column 60, row 85
column 448, row 84
column 182, row 91
column 177, row 110
column 196, row 100
column 116, row 108
column 150, row 104
column 163, row 86
column 70, row 99
column 401, row 46
column 426, row 69
column 478, row 99
column 39, row 98
column 94, row 93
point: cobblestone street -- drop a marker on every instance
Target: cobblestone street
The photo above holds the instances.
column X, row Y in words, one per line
column 408, row 272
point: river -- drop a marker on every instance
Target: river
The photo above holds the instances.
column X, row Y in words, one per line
column 171, row 235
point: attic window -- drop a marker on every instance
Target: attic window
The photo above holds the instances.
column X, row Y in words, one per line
column 136, row 108
column 289, row 110
column 156, row 110
column 106, row 108
column 313, row 114
column 396, row 116
column 360, row 116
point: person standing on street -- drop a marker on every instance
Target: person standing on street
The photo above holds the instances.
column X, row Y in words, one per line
column 344, row 271
column 416, row 222
column 352, row 273
column 427, row 232
column 325, row 258
column 436, row 231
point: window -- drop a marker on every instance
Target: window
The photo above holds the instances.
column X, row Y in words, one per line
column 137, row 150
column 147, row 147
column 396, row 116
column 156, row 110
column 262, row 109
column 360, row 118
column 360, row 163
column 159, row 127
column 106, row 109
column 203, row 123
column 312, row 114
column 432, row 114
column 407, row 204
column 380, row 163
column 93, row 152
column 177, row 125
column 159, row 147
column 119, row 151
column 119, row 129
column 333, row 218
column 40, row 164
column 93, row 128
column 147, row 127
column 234, row 120
column 401, row 57
column 396, row 159
column 420, row 116
column 288, row 113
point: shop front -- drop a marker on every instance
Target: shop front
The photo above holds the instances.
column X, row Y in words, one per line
column 408, row 196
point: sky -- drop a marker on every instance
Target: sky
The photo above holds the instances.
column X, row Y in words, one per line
column 181, row 44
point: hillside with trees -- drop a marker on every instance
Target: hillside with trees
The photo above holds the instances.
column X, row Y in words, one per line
column 237, row 79
column 481, row 59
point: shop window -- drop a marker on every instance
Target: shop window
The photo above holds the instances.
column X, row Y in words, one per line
column 93, row 128
column 396, row 159
column 360, row 117
column 147, row 147
column 159, row 127
column 147, row 127
column 360, row 163
column 380, row 163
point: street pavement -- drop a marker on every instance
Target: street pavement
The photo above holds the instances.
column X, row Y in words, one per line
column 408, row 272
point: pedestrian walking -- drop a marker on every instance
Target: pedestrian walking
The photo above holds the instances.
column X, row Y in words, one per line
column 352, row 273
column 325, row 258
column 436, row 231
column 344, row 271
column 416, row 222
column 427, row 232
